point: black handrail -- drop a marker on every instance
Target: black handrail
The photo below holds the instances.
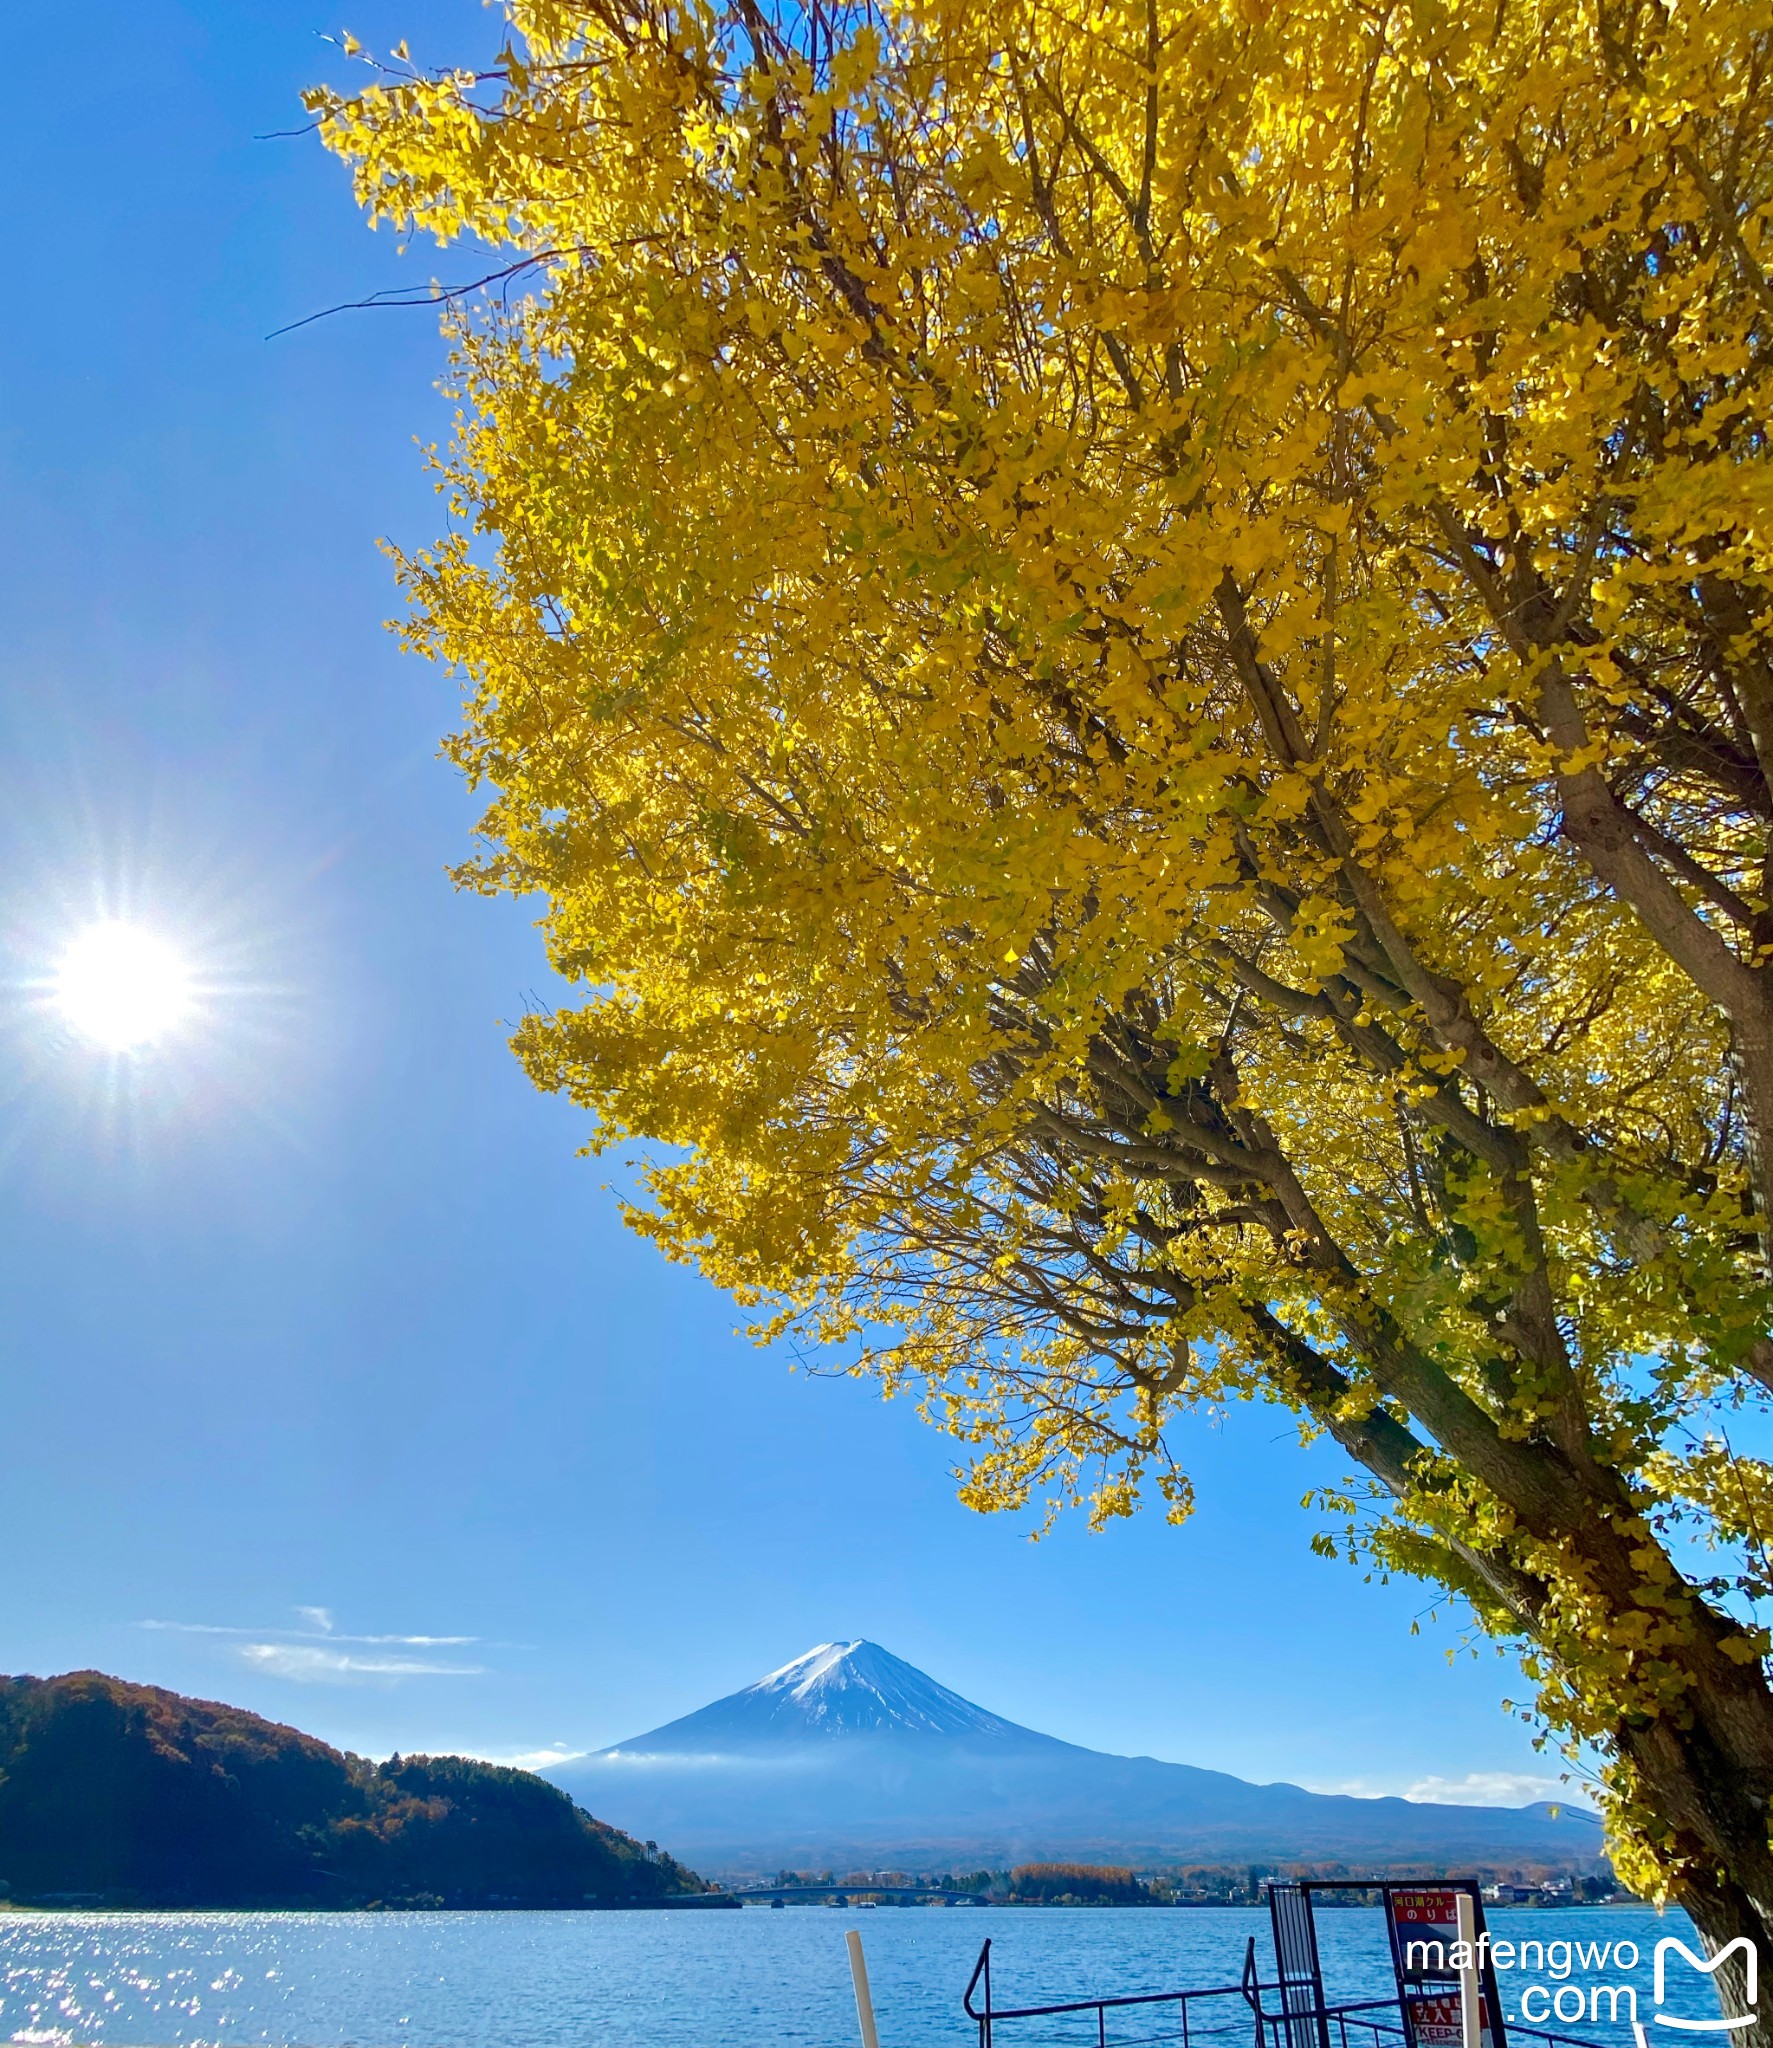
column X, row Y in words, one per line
column 1272, row 2029
column 1277, row 2022
column 1036, row 2012
column 1101, row 2007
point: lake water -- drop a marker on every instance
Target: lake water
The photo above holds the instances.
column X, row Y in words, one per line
column 750, row 1979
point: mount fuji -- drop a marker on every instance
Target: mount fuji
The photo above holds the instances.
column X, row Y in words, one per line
column 849, row 1755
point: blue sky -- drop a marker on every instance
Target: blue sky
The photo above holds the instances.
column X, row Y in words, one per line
column 319, row 1339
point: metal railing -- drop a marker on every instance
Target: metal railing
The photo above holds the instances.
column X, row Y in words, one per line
column 1189, row 2024
column 1213, row 2014
column 1304, row 2021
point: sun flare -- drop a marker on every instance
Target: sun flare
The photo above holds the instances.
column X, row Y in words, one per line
column 122, row 986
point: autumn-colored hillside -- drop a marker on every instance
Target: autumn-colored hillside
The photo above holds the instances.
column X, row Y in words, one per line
column 131, row 1795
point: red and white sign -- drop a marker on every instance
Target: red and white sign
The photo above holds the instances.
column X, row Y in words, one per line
column 1435, row 1928
column 1436, row 2021
column 1427, row 1923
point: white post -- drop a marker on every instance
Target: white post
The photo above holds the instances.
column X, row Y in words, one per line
column 864, row 2002
column 1471, row 2024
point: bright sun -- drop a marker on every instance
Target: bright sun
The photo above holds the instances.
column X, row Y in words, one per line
column 121, row 986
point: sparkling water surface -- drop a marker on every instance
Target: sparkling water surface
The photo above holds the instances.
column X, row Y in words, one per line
column 750, row 1979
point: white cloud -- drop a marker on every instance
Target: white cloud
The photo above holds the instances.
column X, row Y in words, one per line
column 199, row 1628
column 1476, row 1788
column 1495, row 1788
column 311, row 1666
column 411, row 1642
column 321, row 1617
column 534, row 1759
column 323, row 1634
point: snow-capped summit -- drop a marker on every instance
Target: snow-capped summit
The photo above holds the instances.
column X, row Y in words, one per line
column 833, row 1689
column 854, row 1686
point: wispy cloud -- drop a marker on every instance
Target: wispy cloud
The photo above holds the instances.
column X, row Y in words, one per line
column 309, row 1635
column 318, row 1654
column 1476, row 1788
column 311, row 1666
column 533, row 1759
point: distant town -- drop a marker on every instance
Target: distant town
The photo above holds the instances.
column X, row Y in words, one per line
column 1104, row 1884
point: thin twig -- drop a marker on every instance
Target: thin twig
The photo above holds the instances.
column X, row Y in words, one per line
column 401, row 296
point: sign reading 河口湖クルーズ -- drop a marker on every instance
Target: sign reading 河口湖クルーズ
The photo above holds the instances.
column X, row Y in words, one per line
column 1425, row 1927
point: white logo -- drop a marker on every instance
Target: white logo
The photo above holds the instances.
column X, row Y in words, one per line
column 1706, row 1969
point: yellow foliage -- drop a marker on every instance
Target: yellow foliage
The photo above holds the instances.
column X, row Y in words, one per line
column 1132, row 657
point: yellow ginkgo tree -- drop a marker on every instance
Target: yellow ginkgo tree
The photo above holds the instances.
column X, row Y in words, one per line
column 1131, row 644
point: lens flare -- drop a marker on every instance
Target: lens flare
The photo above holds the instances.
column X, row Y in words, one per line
column 122, row 986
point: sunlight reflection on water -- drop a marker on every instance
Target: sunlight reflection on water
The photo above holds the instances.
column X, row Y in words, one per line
column 753, row 1979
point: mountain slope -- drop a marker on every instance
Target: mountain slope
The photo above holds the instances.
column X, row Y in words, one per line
column 850, row 1755
column 131, row 1795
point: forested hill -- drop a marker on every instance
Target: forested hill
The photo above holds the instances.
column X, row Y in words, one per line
column 132, row 1796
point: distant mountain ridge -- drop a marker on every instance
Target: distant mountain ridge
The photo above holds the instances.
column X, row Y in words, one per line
column 848, row 1754
column 121, row 1794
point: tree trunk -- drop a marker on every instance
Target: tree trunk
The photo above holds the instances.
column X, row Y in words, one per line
column 1726, row 1863
column 1722, row 1910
